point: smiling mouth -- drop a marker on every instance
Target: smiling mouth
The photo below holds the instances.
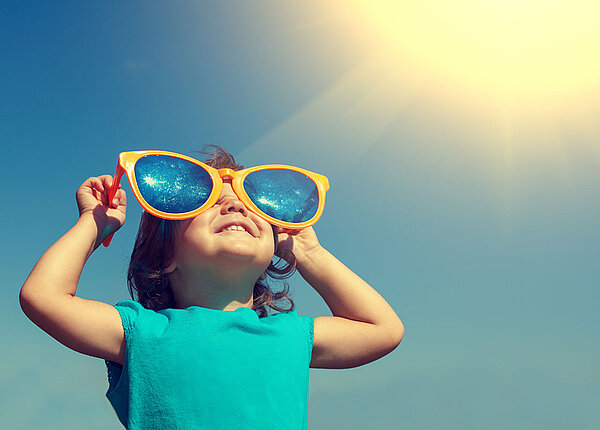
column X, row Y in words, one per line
column 235, row 229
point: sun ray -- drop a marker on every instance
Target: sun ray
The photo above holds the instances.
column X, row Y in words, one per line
column 517, row 82
column 343, row 122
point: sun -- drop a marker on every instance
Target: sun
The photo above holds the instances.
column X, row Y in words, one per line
column 515, row 76
column 523, row 55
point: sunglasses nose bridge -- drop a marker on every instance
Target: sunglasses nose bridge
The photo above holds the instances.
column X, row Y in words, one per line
column 226, row 173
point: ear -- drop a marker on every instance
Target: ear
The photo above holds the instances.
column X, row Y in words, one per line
column 170, row 268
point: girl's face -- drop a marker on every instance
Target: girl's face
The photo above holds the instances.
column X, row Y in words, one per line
column 208, row 239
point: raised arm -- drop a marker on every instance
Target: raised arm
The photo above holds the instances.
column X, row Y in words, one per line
column 364, row 327
column 48, row 295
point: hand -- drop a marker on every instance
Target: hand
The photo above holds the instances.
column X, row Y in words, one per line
column 300, row 242
column 92, row 199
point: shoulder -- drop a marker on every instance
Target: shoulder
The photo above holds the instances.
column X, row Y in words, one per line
column 304, row 323
column 132, row 312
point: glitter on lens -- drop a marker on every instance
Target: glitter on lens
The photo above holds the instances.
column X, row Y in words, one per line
column 175, row 185
column 265, row 201
column 150, row 180
column 283, row 194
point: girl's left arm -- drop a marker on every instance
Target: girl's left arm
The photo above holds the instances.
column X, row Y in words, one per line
column 364, row 327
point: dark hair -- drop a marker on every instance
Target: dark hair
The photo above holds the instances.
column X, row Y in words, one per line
column 154, row 249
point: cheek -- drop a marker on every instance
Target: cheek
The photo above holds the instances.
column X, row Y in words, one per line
column 266, row 254
column 192, row 240
column 270, row 244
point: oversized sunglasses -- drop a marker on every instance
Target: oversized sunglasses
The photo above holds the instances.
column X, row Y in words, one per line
column 174, row 186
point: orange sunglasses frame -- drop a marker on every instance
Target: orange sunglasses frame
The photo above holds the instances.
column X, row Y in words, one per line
column 126, row 164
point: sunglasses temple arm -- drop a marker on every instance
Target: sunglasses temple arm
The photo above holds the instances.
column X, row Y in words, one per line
column 111, row 195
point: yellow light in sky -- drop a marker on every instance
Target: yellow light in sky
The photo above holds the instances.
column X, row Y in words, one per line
column 516, row 75
column 516, row 52
column 509, row 84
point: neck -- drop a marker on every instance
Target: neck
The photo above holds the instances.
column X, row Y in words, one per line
column 212, row 288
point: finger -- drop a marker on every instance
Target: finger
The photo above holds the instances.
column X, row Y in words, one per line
column 93, row 187
column 282, row 235
column 98, row 184
column 103, row 188
column 88, row 187
column 106, row 180
column 120, row 198
column 96, row 194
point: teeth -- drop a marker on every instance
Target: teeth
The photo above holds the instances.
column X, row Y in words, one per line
column 235, row 228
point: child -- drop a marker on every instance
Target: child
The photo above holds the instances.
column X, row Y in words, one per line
column 197, row 349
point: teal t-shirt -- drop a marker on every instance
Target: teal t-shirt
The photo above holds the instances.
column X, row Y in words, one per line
column 201, row 368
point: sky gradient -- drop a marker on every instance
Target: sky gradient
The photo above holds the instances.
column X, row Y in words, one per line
column 464, row 188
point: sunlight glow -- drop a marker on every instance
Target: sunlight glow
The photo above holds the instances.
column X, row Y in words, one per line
column 514, row 76
column 512, row 52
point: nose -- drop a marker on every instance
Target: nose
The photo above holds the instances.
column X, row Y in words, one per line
column 232, row 204
column 229, row 200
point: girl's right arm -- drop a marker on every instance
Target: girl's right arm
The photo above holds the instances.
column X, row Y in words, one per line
column 48, row 295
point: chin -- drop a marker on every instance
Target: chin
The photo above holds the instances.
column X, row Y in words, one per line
column 242, row 253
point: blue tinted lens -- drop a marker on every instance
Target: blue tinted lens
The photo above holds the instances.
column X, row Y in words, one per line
column 285, row 195
column 171, row 184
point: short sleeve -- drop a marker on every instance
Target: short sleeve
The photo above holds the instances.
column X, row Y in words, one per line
column 307, row 324
column 130, row 311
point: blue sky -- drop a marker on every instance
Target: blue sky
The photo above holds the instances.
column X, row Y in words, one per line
column 475, row 220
